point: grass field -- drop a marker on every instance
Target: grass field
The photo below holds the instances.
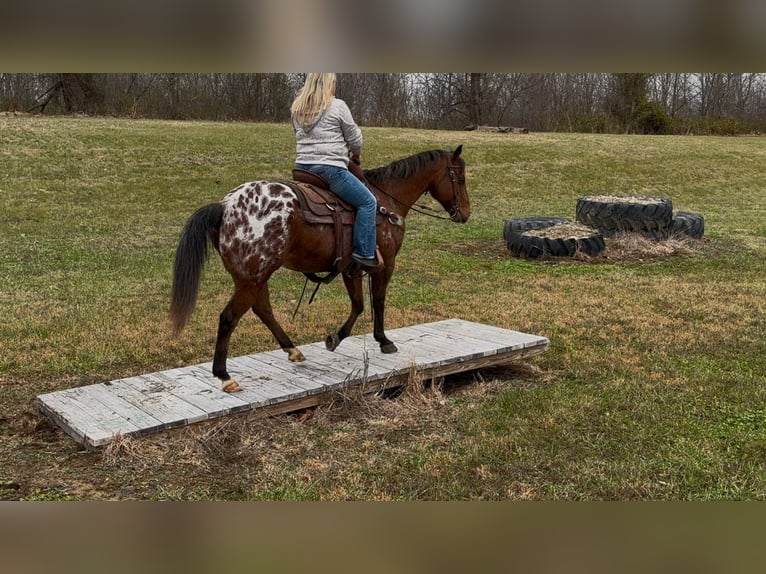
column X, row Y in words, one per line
column 654, row 386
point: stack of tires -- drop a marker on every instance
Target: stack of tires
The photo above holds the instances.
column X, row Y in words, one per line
column 653, row 218
column 599, row 217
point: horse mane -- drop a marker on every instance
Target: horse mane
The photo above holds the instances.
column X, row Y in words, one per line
column 402, row 168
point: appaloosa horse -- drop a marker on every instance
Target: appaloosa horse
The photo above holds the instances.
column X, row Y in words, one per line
column 259, row 227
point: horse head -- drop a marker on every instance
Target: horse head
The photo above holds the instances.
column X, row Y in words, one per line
column 449, row 188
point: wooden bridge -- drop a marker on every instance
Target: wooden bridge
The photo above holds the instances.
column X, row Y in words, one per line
column 96, row 414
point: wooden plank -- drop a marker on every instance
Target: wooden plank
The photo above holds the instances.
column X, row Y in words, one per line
column 470, row 348
column 86, row 427
column 355, row 364
column 101, row 393
column 401, row 361
column 270, row 375
column 276, row 363
column 279, row 386
column 428, row 350
column 383, row 363
column 430, row 353
column 302, row 386
column 500, row 346
column 59, row 410
column 214, row 401
column 202, row 375
column 514, row 339
column 506, row 345
column 330, row 368
column 378, row 371
column 148, row 394
column 96, row 414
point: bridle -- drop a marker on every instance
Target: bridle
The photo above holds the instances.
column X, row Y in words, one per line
column 455, row 180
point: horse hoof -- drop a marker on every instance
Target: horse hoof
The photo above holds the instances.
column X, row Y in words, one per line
column 231, row 386
column 388, row 348
column 332, row 342
column 295, row 355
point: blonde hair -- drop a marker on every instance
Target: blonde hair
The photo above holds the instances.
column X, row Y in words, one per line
column 315, row 97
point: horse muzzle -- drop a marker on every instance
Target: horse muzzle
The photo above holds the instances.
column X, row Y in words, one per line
column 459, row 217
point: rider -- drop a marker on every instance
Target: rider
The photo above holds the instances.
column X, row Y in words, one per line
column 325, row 133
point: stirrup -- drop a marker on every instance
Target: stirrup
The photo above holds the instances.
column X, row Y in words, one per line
column 369, row 262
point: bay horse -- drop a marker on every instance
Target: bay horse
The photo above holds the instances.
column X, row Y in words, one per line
column 259, row 227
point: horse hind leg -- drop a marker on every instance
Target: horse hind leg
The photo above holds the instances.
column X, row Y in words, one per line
column 262, row 308
column 257, row 299
column 356, row 294
column 237, row 306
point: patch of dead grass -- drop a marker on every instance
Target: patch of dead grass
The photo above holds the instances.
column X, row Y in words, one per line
column 628, row 199
column 139, row 453
column 562, row 231
column 635, row 247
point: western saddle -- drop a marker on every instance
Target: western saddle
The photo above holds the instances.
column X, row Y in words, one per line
column 320, row 206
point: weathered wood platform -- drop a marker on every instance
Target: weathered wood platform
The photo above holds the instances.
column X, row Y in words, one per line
column 96, row 414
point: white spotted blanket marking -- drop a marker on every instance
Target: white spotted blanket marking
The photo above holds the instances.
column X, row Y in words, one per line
column 254, row 229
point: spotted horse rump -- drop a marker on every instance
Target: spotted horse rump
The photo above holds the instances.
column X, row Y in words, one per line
column 254, row 231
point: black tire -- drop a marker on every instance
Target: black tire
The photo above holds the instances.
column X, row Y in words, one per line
column 651, row 217
column 687, row 223
column 522, row 224
column 522, row 244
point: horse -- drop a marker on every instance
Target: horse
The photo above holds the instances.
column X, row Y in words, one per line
column 259, row 227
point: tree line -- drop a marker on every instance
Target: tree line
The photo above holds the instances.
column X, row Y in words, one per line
column 663, row 103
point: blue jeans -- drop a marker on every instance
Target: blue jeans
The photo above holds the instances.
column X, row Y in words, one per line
column 347, row 186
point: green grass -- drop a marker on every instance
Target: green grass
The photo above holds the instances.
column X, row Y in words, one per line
column 653, row 387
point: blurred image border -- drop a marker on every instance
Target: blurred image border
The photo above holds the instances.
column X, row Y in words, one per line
column 382, row 537
column 398, row 36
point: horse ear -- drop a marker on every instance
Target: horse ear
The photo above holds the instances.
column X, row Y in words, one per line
column 456, row 153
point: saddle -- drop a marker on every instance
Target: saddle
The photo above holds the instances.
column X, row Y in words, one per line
column 321, row 206
column 318, row 203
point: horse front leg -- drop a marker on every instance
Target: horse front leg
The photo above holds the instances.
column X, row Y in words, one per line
column 380, row 283
column 356, row 294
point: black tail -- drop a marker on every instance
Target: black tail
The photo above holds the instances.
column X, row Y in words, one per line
column 191, row 255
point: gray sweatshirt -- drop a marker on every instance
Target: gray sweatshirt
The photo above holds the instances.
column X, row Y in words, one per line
column 329, row 141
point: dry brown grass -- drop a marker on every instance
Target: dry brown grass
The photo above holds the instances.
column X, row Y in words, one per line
column 634, row 247
column 624, row 199
column 562, row 231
